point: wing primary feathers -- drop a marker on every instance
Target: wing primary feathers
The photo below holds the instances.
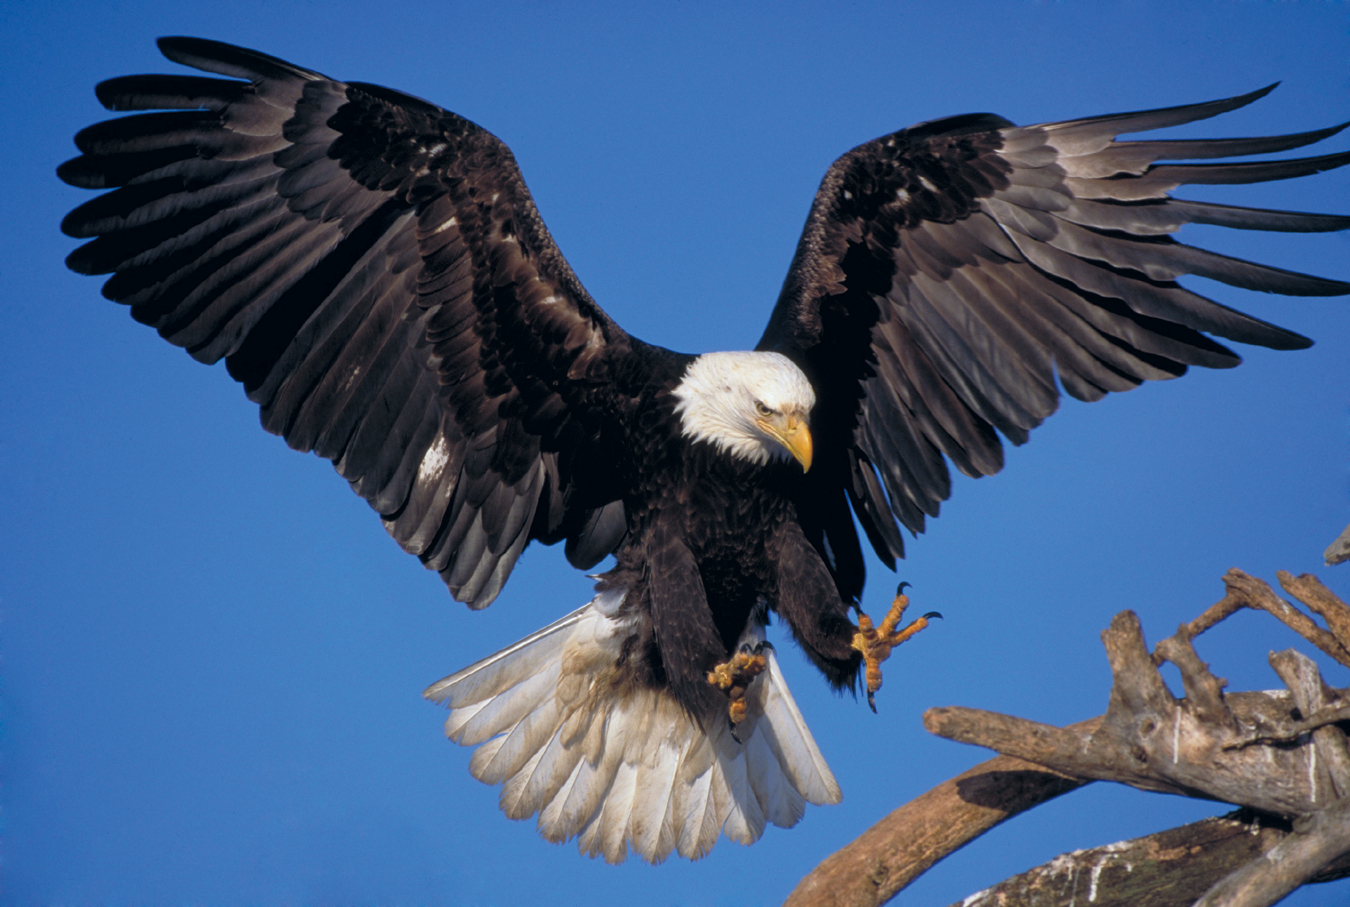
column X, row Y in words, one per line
column 997, row 256
column 1155, row 218
column 1197, row 149
column 1092, row 130
column 168, row 93
column 328, row 241
column 1135, row 157
column 229, row 60
column 1258, row 218
column 1172, row 175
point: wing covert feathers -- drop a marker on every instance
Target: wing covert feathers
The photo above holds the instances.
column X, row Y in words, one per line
column 953, row 275
column 618, row 765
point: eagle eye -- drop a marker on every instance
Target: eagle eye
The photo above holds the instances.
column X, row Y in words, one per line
column 762, row 409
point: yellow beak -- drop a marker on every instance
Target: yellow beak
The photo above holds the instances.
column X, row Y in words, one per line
column 795, row 436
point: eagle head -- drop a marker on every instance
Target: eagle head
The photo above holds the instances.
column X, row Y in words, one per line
column 750, row 405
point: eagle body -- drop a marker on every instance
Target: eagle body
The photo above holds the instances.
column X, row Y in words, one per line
column 711, row 522
column 720, row 531
column 604, row 724
column 374, row 272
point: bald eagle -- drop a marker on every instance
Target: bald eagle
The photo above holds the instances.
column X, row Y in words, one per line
column 373, row 270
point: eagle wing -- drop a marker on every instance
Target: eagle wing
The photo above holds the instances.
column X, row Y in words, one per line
column 949, row 271
column 373, row 270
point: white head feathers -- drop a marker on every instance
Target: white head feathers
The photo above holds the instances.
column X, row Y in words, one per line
column 751, row 405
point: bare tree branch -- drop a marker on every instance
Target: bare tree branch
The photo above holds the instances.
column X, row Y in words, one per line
column 1287, row 865
column 1245, row 591
column 1196, row 747
column 902, row 846
column 1209, row 744
column 1284, row 754
column 1172, row 868
column 1309, row 590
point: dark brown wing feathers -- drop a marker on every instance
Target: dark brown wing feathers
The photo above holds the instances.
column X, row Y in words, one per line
column 948, row 273
column 374, row 272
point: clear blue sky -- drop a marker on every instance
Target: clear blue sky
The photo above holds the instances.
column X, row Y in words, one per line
column 213, row 654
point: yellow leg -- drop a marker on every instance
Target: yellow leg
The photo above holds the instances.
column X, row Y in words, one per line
column 876, row 644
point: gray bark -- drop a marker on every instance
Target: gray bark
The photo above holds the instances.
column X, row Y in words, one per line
column 1282, row 755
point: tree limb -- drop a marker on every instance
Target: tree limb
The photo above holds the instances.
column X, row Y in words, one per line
column 902, row 846
column 1246, row 591
column 1172, row 868
column 1283, row 754
column 1309, row 590
column 1150, row 740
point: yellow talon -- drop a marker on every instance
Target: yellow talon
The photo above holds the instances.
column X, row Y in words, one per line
column 875, row 644
column 733, row 677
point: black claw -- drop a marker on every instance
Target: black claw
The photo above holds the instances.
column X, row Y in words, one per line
column 731, row 726
column 765, row 645
column 932, row 614
column 872, row 701
column 900, row 589
column 745, row 648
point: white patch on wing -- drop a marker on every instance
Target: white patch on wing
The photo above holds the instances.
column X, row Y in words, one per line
column 717, row 398
column 434, row 460
column 617, row 765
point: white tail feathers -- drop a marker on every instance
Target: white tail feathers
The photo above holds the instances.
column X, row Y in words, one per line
column 616, row 764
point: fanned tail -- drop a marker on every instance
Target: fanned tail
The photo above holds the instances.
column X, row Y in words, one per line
column 571, row 736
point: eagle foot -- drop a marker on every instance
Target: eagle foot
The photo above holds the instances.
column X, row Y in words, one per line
column 733, row 677
column 875, row 643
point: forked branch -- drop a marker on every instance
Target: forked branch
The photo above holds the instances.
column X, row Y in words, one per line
column 1283, row 755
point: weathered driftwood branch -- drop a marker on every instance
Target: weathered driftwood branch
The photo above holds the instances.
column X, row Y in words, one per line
column 1281, row 753
column 1172, row 868
column 1246, row 591
column 1315, row 852
column 1200, row 746
column 1309, row 590
column 902, row 846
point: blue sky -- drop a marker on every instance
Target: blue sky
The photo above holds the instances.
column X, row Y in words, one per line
column 212, row 653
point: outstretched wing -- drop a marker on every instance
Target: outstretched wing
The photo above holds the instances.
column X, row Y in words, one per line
column 948, row 271
column 374, row 271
